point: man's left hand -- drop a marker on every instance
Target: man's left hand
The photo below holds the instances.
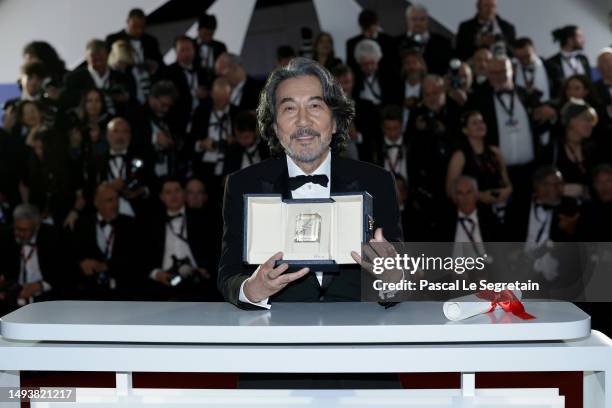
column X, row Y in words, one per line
column 30, row 289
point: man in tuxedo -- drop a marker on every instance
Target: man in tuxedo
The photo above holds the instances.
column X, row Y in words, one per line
column 304, row 116
column 147, row 56
column 548, row 218
column 364, row 131
column 393, row 152
column 373, row 82
column 248, row 148
column 107, row 249
column 245, row 89
column 370, row 29
column 32, row 260
column 437, row 50
column 117, row 88
column 479, row 62
column 595, row 222
column 414, row 70
column 212, row 133
column 157, row 138
column 505, row 109
column 208, row 49
column 124, row 170
column 431, row 135
column 182, row 264
column 190, row 81
column 466, row 221
column 530, row 71
column 603, row 86
column 569, row 60
column 485, row 29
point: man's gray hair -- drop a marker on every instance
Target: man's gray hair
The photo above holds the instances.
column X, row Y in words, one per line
column 341, row 106
column 26, row 212
column 416, row 7
column 232, row 59
column 462, row 178
column 367, row 49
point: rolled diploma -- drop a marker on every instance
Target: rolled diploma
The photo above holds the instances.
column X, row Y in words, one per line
column 468, row 306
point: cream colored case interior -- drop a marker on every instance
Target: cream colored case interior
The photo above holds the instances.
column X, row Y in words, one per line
column 271, row 227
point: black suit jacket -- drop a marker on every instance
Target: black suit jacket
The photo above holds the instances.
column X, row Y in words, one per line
column 490, row 229
column 466, row 35
column 391, row 86
column 80, row 80
column 437, row 52
column 150, row 45
column 234, row 153
column 180, row 113
column 554, row 69
column 250, row 94
column 199, row 238
column 51, row 257
column 517, row 220
column 271, row 177
column 126, row 261
column 388, row 47
column 218, row 48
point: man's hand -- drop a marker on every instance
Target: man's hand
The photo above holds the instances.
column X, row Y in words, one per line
column 88, row 266
column 203, row 273
column 71, row 219
column 30, row 289
column 130, row 195
column 568, row 223
column 268, row 280
column 164, row 141
column 163, row 277
column 117, row 184
column 381, row 248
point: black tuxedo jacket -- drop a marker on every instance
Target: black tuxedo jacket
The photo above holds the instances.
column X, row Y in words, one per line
column 490, row 229
column 234, row 153
column 603, row 130
column 199, row 237
column 218, row 48
column 391, row 86
column 150, row 45
column 554, row 69
column 437, row 52
column 271, row 177
column 466, row 35
column 388, row 47
column 483, row 100
column 367, row 122
column 125, row 263
column 250, row 94
column 180, row 112
column 517, row 220
column 201, row 121
column 80, row 80
column 51, row 257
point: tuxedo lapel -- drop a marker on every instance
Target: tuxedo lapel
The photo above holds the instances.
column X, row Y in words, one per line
column 342, row 180
column 277, row 182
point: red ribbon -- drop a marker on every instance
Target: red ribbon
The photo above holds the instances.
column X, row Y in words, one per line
column 507, row 300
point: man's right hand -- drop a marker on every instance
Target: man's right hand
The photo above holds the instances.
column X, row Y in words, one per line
column 163, row 277
column 268, row 280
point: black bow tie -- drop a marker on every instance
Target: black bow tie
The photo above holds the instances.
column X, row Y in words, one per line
column 545, row 207
column 392, row 146
column 170, row 218
column 504, row 92
column 116, row 156
column 466, row 219
column 104, row 223
column 299, row 181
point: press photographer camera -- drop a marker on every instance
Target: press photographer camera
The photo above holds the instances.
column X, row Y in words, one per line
column 414, row 42
column 181, row 271
column 456, row 81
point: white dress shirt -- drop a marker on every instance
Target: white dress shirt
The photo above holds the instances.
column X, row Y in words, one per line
column 515, row 140
column 470, row 226
column 105, row 237
column 29, row 266
column 308, row 190
column 236, row 97
column 571, row 64
column 175, row 242
column 250, row 156
column 218, row 130
column 538, row 232
column 539, row 77
column 371, row 90
column 395, row 157
column 117, row 170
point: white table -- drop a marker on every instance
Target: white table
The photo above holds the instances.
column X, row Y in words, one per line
column 317, row 338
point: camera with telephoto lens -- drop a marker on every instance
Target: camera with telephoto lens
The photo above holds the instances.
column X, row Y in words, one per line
column 134, row 173
column 454, row 74
column 181, row 270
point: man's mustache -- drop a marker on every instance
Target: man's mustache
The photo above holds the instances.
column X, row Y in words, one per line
column 304, row 132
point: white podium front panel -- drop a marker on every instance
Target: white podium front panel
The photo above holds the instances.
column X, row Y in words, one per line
column 285, row 323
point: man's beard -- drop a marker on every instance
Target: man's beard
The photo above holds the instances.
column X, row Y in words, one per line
column 306, row 157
